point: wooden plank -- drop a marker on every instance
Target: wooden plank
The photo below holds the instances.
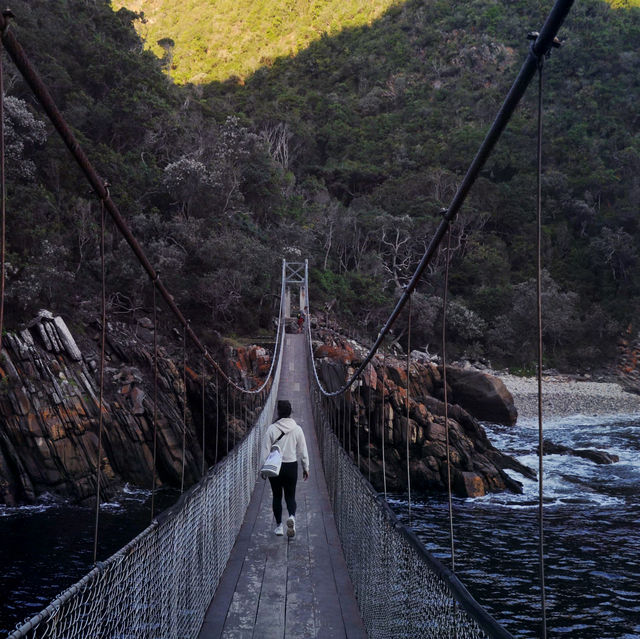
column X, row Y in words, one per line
column 301, row 615
column 242, row 612
column 271, row 608
column 278, row 588
column 219, row 606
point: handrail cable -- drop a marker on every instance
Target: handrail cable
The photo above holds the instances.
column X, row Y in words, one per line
column 178, row 536
column 539, row 344
column 385, row 562
column 542, row 45
column 445, row 294
column 103, row 339
column 41, row 92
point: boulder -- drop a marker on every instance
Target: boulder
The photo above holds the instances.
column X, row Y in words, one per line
column 477, row 468
column 469, row 484
column 597, row 456
column 482, row 395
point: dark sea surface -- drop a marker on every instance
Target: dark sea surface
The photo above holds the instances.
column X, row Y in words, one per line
column 591, row 534
column 47, row 547
column 592, row 537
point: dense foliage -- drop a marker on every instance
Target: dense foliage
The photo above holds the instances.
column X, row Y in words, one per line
column 345, row 154
column 203, row 41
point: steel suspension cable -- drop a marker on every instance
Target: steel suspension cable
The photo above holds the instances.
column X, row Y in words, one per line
column 369, row 426
column 42, row 94
column 359, row 382
column 539, row 340
column 203, row 389
column 3, row 200
column 155, row 396
column 226, row 412
column 103, row 339
column 349, row 413
column 446, row 394
column 408, row 424
column 384, row 424
column 543, row 43
column 235, row 418
column 184, row 405
column 218, row 413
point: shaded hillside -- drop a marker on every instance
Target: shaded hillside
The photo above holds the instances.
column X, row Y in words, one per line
column 381, row 123
column 344, row 153
column 133, row 124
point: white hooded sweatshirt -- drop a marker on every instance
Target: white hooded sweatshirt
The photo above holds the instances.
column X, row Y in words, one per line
column 293, row 445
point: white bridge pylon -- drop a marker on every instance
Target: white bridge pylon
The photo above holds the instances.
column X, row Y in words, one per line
column 296, row 275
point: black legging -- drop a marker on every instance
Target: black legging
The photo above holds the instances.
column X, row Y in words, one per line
column 285, row 480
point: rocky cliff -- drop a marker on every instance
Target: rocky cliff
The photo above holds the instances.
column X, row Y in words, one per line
column 49, row 410
column 477, row 467
column 629, row 360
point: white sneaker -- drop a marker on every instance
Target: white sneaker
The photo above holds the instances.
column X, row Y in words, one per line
column 279, row 530
column 291, row 526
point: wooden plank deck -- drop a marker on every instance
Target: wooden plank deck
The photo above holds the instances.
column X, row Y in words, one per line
column 274, row 587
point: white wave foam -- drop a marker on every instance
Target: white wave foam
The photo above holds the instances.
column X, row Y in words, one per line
column 579, row 419
column 135, row 493
column 111, row 506
column 561, row 487
column 45, row 502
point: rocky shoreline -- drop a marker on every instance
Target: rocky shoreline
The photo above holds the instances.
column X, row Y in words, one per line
column 564, row 395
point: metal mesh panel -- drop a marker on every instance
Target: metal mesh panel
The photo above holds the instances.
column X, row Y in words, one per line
column 161, row 583
column 402, row 590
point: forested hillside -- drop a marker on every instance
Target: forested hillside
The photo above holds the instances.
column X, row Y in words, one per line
column 201, row 41
column 343, row 153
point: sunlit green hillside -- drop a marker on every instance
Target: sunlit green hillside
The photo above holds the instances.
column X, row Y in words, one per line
column 217, row 39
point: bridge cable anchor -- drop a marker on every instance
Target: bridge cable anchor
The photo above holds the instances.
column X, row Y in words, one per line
column 555, row 44
column 8, row 15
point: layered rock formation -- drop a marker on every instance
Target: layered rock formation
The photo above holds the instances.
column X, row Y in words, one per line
column 629, row 360
column 376, row 412
column 49, row 411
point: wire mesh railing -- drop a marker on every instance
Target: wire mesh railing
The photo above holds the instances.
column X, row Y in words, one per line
column 161, row 583
column 402, row 590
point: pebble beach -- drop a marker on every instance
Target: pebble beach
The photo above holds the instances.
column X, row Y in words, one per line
column 563, row 396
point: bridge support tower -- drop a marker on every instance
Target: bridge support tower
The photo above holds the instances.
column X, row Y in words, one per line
column 295, row 275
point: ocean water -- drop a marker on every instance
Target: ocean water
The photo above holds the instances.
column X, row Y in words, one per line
column 47, row 547
column 591, row 533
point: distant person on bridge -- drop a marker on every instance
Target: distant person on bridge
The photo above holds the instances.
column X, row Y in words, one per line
column 293, row 446
column 300, row 321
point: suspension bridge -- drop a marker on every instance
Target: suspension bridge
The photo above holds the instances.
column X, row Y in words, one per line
column 210, row 566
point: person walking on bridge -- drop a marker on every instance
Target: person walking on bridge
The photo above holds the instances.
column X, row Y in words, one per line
column 293, row 445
